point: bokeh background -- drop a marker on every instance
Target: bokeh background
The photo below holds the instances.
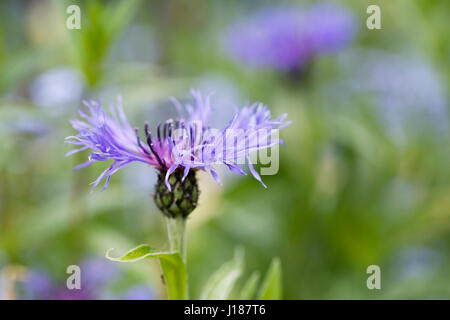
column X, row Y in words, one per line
column 364, row 178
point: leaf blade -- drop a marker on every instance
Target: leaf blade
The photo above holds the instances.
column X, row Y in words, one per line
column 221, row 282
column 248, row 290
column 271, row 289
column 172, row 264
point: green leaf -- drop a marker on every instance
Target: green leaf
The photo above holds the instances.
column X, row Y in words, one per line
column 249, row 289
column 271, row 288
column 174, row 269
column 221, row 282
column 102, row 25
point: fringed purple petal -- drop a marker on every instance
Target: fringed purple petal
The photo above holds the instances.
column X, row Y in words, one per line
column 254, row 173
column 178, row 106
column 215, row 176
column 169, row 172
column 109, row 137
column 83, row 165
column 75, row 151
column 235, row 168
column 185, row 173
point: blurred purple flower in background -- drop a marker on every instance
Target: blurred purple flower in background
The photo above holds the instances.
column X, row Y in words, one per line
column 406, row 90
column 38, row 285
column 417, row 262
column 287, row 39
column 57, row 89
column 26, row 126
column 138, row 292
column 96, row 277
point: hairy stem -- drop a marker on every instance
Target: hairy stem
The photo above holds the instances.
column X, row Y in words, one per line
column 176, row 230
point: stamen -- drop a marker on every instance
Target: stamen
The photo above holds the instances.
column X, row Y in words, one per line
column 159, row 133
column 150, row 144
column 168, row 125
column 165, row 130
column 139, row 141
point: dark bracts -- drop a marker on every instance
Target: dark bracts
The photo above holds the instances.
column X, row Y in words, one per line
column 183, row 198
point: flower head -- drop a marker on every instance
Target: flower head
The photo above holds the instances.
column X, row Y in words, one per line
column 183, row 145
column 287, row 39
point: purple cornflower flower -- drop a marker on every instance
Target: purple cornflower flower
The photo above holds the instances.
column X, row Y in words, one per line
column 287, row 39
column 180, row 146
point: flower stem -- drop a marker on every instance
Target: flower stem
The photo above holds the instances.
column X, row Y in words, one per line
column 176, row 230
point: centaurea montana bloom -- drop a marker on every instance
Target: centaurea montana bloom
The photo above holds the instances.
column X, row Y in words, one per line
column 288, row 39
column 179, row 148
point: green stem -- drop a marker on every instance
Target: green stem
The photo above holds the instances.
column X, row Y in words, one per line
column 176, row 230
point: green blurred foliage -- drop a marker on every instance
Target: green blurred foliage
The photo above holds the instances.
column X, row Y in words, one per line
column 348, row 194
